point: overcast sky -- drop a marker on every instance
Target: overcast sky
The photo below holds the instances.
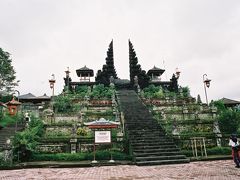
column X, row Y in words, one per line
column 197, row 36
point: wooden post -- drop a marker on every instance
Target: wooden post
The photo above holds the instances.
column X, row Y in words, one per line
column 94, row 151
column 201, row 146
column 204, row 147
column 195, row 145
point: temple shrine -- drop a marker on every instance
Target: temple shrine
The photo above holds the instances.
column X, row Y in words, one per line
column 108, row 75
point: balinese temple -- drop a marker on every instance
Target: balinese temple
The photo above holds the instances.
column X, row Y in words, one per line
column 108, row 75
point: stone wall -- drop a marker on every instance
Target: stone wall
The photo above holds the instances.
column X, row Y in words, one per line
column 185, row 118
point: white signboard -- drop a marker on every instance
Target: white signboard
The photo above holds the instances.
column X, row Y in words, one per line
column 102, row 136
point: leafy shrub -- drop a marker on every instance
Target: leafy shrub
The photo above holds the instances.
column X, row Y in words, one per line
column 53, row 134
column 62, row 104
column 211, row 151
column 100, row 91
column 82, row 91
column 8, row 120
column 1, row 159
column 219, row 151
column 153, row 91
column 26, row 141
column 100, row 155
column 81, row 131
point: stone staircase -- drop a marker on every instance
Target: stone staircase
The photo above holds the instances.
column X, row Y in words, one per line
column 149, row 143
column 6, row 133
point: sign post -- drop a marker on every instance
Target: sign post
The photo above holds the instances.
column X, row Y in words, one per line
column 101, row 137
column 94, row 154
column 102, row 133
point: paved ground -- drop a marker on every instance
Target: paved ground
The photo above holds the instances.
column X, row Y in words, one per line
column 217, row 170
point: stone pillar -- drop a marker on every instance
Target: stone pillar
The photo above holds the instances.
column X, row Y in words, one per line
column 7, row 153
column 73, row 145
column 216, row 128
column 218, row 133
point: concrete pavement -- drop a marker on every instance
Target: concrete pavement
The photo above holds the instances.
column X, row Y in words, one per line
column 212, row 170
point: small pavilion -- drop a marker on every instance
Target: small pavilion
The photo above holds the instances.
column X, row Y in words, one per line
column 155, row 73
column 85, row 73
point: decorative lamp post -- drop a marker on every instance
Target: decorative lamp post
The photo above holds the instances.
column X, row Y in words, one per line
column 67, row 77
column 52, row 82
column 67, row 72
column 206, row 83
column 177, row 73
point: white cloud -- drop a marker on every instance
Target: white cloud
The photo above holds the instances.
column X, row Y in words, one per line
column 198, row 36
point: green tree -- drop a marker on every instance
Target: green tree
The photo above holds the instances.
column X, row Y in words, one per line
column 229, row 119
column 186, row 91
column 7, row 72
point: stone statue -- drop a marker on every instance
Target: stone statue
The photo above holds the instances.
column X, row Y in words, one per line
column 175, row 130
column 217, row 132
column 74, row 130
column 111, row 79
column 135, row 81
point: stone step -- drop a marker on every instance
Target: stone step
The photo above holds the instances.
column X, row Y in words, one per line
column 142, row 123
column 154, row 137
column 8, row 132
column 145, row 130
column 141, row 127
column 146, row 133
column 135, row 144
column 146, row 138
column 173, row 149
column 154, row 132
column 140, row 120
column 160, row 146
column 147, row 154
column 154, row 158
column 162, row 162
